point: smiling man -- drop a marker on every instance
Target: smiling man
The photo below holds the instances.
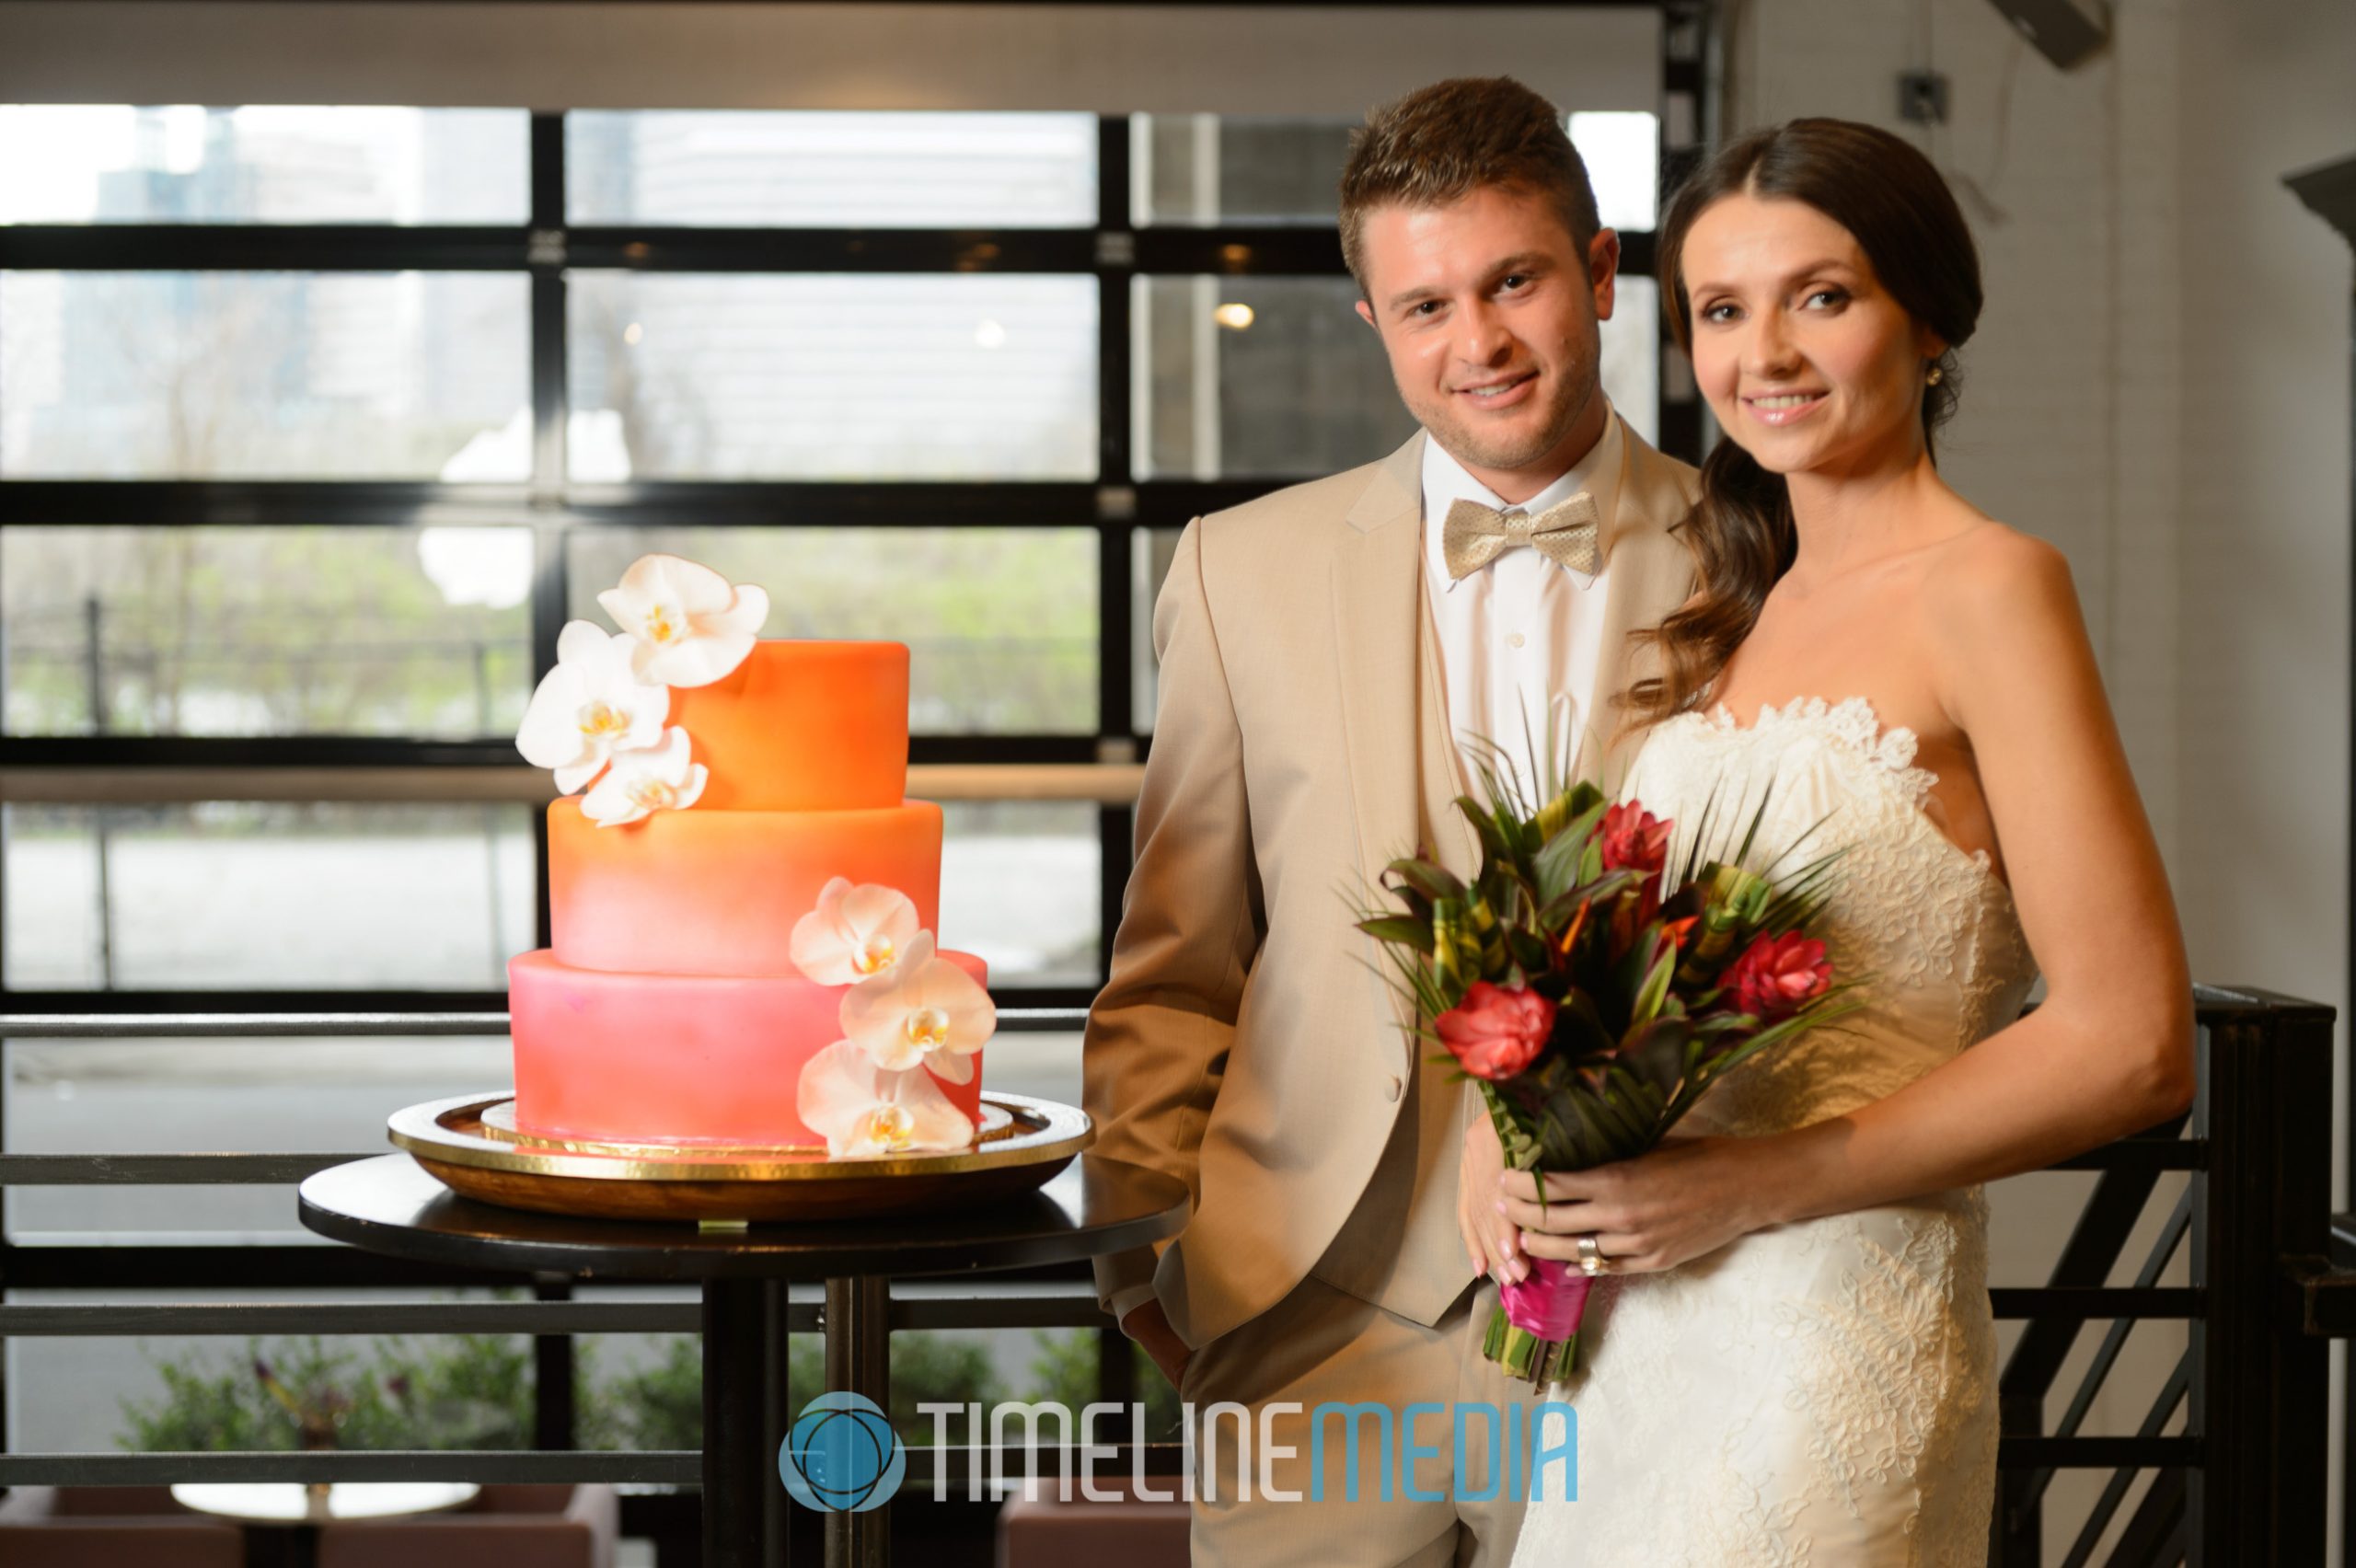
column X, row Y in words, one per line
column 1327, row 655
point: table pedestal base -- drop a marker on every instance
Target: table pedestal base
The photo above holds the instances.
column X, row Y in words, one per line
column 747, row 1414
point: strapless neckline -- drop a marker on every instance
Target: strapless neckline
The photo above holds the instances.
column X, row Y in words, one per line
column 1854, row 725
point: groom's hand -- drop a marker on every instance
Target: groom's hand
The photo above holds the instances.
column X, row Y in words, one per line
column 1490, row 1239
column 1149, row 1327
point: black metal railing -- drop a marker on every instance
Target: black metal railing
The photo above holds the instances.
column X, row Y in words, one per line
column 2230, row 1454
column 2229, row 1459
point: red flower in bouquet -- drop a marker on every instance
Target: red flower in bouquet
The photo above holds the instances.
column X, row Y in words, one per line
column 1497, row 1031
column 1633, row 839
column 1778, row 975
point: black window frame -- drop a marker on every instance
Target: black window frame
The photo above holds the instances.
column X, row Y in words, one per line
column 1116, row 505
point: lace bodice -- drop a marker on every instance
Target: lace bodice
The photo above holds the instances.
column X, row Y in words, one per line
column 1821, row 1392
column 1930, row 930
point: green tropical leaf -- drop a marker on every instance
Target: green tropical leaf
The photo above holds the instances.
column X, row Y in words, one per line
column 1401, row 928
column 1655, row 989
column 1813, row 1017
column 1529, row 950
column 1654, row 1054
column 1555, row 867
column 1427, row 877
column 1556, row 914
column 1694, row 845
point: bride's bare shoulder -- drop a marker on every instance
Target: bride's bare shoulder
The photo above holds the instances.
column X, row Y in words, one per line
column 1987, row 569
column 2000, row 608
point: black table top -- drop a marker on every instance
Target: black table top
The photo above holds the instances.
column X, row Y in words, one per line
column 1094, row 1206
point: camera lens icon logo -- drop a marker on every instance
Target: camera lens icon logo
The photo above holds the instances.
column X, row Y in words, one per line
column 842, row 1456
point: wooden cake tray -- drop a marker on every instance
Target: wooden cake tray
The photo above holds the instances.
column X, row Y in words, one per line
column 472, row 1145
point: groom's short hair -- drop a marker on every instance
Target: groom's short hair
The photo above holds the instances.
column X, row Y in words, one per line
column 1441, row 142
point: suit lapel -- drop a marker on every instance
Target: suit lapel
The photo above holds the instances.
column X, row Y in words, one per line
column 1441, row 772
column 1376, row 620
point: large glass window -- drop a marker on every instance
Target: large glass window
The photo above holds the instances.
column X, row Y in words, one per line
column 250, row 376
column 1202, row 170
column 1632, row 350
column 314, row 1093
column 266, row 631
column 1018, row 887
column 1244, row 378
column 1205, row 170
column 261, row 164
column 243, row 895
column 839, row 170
column 274, row 496
column 1001, row 623
column 833, row 376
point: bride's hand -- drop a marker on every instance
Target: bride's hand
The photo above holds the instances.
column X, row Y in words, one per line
column 1677, row 1202
column 1489, row 1238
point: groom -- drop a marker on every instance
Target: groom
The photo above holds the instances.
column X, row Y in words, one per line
column 1322, row 649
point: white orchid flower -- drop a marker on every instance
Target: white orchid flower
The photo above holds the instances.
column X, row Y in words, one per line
column 651, row 779
column 926, row 1012
column 856, row 933
column 692, row 625
column 590, row 707
column 863, row 1111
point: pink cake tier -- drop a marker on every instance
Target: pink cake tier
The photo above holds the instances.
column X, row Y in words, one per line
column 701, row 892
column 676, row 1058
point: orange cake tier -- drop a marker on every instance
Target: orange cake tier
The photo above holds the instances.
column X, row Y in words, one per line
column 704, row 892
column 676, row 1058
column 802, row 726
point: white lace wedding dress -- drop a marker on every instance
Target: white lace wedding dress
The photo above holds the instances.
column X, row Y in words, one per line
column 1820, row 1393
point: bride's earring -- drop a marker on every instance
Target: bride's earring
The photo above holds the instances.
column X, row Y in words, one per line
column 1932, row 379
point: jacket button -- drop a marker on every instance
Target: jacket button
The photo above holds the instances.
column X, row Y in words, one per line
column 1391, row 1086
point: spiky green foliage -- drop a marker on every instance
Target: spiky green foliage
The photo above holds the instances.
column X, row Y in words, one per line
column 1632, row 963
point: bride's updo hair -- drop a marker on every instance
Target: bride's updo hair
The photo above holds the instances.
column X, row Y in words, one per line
column 1886, row 194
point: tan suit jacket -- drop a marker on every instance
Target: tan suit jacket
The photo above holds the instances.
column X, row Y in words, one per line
column 1249, row 1039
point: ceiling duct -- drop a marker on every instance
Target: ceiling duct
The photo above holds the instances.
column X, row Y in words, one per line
column 2063, row 32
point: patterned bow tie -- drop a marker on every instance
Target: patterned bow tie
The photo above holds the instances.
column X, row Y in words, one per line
column 1565, row 534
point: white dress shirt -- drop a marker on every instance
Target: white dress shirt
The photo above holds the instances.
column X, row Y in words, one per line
column 1519, row 638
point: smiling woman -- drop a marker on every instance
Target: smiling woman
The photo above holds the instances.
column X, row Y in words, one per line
column 1873, row 667
column 1801, row 224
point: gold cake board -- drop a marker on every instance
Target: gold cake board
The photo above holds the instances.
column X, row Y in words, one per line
column 472, row 1145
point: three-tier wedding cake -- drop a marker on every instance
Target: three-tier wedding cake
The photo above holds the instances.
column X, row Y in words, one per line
column 742, row 904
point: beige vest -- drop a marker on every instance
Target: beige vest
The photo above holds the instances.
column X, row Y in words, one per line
column 1399, row 1247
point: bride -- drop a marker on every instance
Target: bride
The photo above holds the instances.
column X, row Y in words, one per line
column 1793, row 1359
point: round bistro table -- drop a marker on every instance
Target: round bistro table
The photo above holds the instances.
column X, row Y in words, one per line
column 390, row 1205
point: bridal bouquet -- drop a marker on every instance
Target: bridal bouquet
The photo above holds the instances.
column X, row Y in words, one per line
column 1595, row 993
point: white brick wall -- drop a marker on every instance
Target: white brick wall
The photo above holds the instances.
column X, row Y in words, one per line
column 2159, row 386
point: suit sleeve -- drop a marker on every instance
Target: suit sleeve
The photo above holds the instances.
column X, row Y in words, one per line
column 1158, row 1037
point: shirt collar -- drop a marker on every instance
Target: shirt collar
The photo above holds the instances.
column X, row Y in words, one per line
column 1445, row 482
